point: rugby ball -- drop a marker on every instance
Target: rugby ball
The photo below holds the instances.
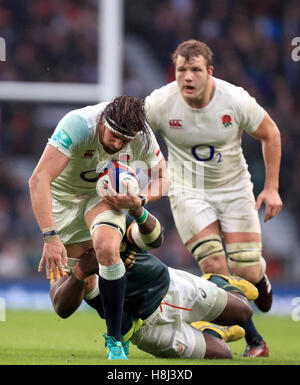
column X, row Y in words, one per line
column 117, row 175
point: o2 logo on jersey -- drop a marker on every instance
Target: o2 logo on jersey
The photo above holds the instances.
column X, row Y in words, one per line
column 205, row 153
column 89, row 176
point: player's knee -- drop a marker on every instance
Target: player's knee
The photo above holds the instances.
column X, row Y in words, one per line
column 253, row 272
column 245, row 260
column 209, row 253
column 107, row 243
column 250, row 273
column 214, row 264
column 106, row 251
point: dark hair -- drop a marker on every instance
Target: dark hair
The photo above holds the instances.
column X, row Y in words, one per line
column 128, row 112
column 192, row 48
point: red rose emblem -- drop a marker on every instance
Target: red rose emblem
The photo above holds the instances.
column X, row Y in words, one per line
column 226, row 120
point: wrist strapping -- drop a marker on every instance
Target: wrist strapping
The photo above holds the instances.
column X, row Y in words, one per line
column 142, row 219
column 53, row 238
column 49, row 231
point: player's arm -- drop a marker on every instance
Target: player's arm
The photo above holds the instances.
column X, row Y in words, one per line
column 68, row 292
column 269, row 135
column 50, row 166
column 146, row 231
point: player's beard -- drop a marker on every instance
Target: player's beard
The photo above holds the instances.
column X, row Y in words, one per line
column 109, row 150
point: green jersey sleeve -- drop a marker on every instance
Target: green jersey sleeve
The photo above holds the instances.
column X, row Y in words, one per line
column 70, row 134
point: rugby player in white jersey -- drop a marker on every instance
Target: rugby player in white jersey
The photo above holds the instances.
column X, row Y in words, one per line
column 72, row 216
column 202, row 119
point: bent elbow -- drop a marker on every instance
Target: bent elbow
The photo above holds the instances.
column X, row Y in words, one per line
column 32, row 181
column 37, row 179
column 274, row 133
column 157, row 243
column 62, row 313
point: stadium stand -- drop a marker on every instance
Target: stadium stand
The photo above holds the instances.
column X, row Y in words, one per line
column 56, row 41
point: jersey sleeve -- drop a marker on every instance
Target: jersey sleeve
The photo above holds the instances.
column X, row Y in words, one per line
column 152, row 106
column 251, row 113
column 71, row 131
column 149, row 156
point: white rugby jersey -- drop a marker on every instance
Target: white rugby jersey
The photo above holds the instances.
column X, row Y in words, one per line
column 76, row 136
column 204, row 144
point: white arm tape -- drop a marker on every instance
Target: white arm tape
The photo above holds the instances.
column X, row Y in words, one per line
column 141, row 239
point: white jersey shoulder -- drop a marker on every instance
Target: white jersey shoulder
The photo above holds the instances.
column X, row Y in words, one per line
column 76, row 129
column 248, row 112
column 205, row 141
column 157, row 103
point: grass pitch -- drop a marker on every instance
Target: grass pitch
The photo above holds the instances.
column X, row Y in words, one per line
column 42, row 338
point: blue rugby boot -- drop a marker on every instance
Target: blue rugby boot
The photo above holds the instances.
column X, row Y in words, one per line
column 114, row 349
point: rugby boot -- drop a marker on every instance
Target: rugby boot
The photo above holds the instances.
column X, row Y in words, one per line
column 135, row 327
column 226, row 333
column 126, row 347
column 114, row 349
column 265, row 298
column 259, row 349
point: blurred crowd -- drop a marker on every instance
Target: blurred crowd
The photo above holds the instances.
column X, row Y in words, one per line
column 53, row 41
column 56, row 41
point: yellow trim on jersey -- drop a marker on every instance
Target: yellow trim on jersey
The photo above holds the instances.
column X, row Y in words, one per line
column 52, row 280
column 128, row 232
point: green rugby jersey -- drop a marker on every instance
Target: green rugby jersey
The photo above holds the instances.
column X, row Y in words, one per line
column 147, row 277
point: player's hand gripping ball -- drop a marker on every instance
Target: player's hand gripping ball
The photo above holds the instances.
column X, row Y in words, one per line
column 118, row 177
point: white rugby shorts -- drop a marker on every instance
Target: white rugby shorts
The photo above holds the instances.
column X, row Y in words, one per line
column 233, row 206
column 69, row 216
column 167, row 331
